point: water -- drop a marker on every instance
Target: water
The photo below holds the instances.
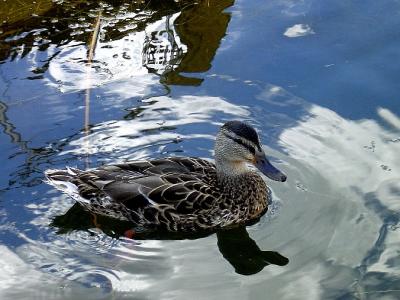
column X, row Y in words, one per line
column 318, row 80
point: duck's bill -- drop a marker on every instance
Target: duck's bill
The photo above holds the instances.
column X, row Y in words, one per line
column 265, row 167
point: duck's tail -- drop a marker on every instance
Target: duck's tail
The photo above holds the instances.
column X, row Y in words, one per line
column 68, row 175
column 64, row 180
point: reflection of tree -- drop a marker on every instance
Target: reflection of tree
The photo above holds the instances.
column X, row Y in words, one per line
column 16, row 138
column 59, row 24
column 235, row 244
column 200, row 26
column 9, row 128
column 162, row 52
column 24, row 174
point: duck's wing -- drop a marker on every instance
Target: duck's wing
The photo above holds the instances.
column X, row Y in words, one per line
column 185, row 184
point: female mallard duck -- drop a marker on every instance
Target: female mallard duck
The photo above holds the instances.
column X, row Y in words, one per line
column 180, row 193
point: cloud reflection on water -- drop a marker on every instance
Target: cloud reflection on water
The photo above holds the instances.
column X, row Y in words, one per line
column 330, row 156
column 345, row 184
column 338, row 222
column 161, row 117
column 298, row 30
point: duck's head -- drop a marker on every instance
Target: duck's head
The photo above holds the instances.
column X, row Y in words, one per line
column 238, row 145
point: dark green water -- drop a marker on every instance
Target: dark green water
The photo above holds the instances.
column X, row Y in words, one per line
column 318, row 80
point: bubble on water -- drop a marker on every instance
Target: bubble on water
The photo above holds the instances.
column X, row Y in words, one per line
column 386, row 168
column 301, row 187
column 125, row 55
column 371, row 146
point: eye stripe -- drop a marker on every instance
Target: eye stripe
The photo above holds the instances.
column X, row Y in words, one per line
column 240, row 142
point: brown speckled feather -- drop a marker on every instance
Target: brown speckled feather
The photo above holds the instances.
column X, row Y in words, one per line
column 177, row 194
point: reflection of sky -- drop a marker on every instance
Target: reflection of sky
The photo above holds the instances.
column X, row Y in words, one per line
column 335, row 165
column 342, row 67
column 337, row 147
column 348, row 181
column 338, row 218
column 298, row 30
column 126, row 135
column 19, row 279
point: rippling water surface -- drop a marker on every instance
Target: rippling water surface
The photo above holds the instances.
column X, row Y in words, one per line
column 88, row 83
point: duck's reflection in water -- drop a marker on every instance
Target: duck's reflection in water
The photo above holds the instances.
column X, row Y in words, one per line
column 235, row 244
column 243, row 253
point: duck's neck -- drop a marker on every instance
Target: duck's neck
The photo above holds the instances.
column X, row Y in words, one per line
column 243, row 187
column 232, row 175
column 231, row 168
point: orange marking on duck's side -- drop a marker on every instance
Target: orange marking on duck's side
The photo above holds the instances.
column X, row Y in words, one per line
column 130, row 233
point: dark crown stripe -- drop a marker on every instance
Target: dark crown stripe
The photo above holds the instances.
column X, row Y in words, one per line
column 244, row 131
column 240, row 142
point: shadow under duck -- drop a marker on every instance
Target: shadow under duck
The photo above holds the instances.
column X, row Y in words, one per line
column 180, row 194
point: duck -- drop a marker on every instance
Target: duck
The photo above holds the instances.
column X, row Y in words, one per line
column 180, row 194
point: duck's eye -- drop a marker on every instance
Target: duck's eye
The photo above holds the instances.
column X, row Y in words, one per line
column 251, row 149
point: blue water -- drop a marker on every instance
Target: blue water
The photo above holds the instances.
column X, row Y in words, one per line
column 319, row 81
